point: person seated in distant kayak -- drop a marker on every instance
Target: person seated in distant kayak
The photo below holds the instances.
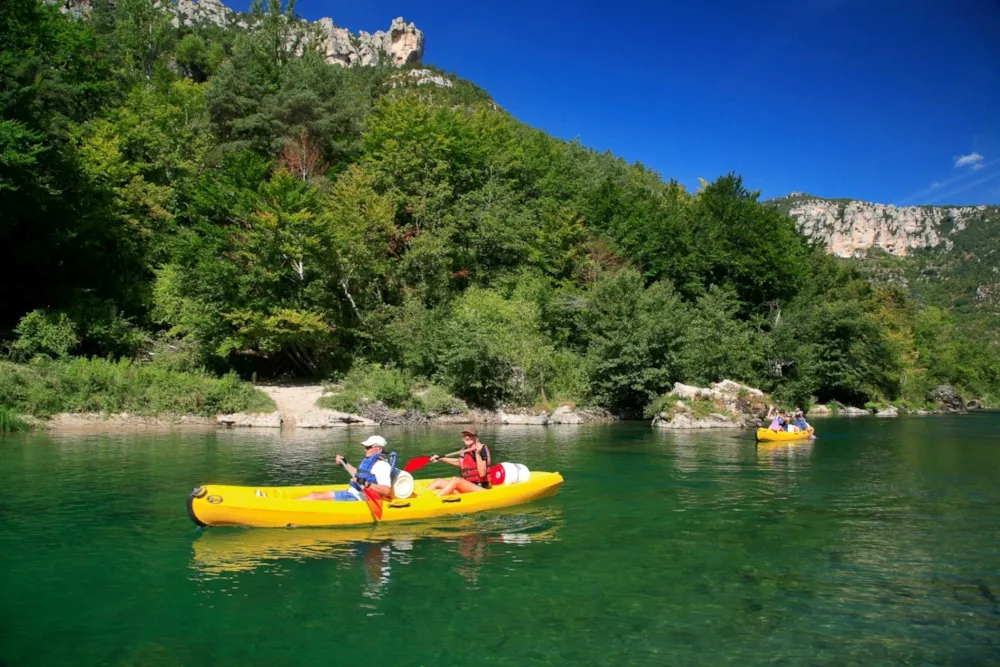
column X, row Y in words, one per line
column 801, row 423
column 374, row 472
column 474, row 464
column 778, row 421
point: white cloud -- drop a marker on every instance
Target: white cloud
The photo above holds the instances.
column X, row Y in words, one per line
column 935, row 185
column 977, row 166
column 966, row 160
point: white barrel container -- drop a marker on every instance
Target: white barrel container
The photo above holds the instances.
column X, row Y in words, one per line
column 515, row 473
column 510, row 473
column 402, row 484
column 523, row 474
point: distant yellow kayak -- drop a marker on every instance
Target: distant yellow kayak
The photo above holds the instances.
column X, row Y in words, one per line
column 274, row 507
column 767, row 435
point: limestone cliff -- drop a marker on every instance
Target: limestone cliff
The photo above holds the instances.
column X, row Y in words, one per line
column 850, row 227
column 402, row 44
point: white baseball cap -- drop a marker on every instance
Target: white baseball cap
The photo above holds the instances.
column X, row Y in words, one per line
column 374, row 441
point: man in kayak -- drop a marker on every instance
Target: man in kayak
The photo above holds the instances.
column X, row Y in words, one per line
column 474, row 463
column 374, row 472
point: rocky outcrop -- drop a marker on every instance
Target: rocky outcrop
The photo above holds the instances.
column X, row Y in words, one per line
column 735, row 406
column 947, row 398
column 819, row 411
column 189, row 12
column 850, row 227
column 420, row 77
column 891, row 411
column 402, row 44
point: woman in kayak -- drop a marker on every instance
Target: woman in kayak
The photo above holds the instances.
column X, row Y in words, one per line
column 474, row 463
column 778, row 422
column 801, row 423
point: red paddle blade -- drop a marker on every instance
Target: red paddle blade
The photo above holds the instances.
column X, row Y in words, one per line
column 374, row 504
column 417, row 463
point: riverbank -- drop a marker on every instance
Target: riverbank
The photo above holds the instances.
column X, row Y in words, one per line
column 82, row 392
column 95, row 394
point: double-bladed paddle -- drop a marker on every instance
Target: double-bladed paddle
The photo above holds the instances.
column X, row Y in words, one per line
column 421, row 461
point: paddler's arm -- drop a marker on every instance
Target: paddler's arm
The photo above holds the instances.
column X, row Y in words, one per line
column 481, row 465
column 382, row 489
column 342, row 462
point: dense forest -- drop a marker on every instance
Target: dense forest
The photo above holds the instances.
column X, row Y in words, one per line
column 215, row 201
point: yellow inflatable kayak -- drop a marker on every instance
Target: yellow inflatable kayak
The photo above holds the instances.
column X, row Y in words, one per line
column 273, row 507
column 767, row 435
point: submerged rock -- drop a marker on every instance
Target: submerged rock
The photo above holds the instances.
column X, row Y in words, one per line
column 253, row 420
column 686, row 421
column 537, row 420
column 322, row 418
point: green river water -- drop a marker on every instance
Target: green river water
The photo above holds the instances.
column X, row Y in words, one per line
column 878, row 544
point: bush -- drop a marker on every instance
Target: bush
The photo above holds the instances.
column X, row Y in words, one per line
column 11, row 422
column 96, row 385
column 661, row 403
column 44, row 333
column 436, row 399
column 369, row 383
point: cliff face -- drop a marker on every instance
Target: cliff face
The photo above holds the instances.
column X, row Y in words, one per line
column 402, row 44
column 848, row 228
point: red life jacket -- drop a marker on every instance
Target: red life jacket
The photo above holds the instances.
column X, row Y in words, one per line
column 470, row 471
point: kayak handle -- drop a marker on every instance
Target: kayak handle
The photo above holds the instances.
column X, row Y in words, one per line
column 451, row 500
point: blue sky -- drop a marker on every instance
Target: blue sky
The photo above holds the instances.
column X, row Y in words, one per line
column 893, row 101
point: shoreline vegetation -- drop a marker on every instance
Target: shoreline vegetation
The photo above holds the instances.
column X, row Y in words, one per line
column 96, row 394
column 193, row 210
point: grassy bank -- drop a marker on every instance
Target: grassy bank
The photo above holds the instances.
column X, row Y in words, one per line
column 45, row 388
column 369, row 384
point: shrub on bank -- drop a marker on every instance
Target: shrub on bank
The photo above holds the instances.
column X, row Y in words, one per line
column 11, row 422
column 48, row 387
column 366, row 384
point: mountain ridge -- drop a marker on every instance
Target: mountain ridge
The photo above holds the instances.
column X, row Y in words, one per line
column 402, row 44
column 851, row 227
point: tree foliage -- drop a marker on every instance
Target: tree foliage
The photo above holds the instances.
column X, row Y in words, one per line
column 229, row 193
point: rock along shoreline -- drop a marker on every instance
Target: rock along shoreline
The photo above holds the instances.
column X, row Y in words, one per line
column 723, row 405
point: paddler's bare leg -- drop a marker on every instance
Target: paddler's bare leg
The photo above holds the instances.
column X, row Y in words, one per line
column 460, row 485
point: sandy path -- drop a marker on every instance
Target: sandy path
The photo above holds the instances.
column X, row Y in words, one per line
column 293, row 401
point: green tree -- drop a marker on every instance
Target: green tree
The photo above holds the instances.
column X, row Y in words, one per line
column 718, row 344
column 634, row 334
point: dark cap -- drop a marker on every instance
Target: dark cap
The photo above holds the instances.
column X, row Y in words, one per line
column 471, row 430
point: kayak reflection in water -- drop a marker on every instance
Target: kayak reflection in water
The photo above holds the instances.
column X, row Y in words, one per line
column 474, row 464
